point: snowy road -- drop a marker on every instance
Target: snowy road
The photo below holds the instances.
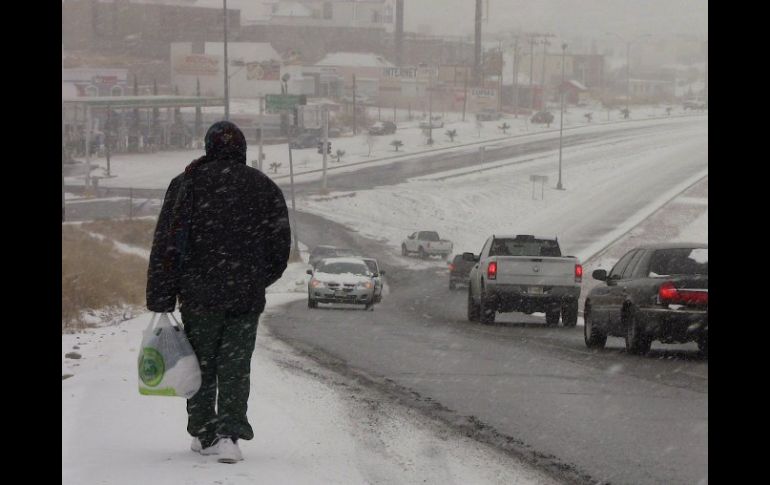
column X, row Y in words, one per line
column 618, row 418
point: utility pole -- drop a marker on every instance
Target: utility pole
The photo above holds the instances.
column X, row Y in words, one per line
column 542, row 77
column 324, row 150
column 561, row 114
column 477, row 47
column 295, row 254
column 628, row 74
column 516, row 77
column 465, row 92
column 500, row 80
column 354, row 104
column 532, row 42
column 260, row 154
column 227, row 78
column 430, row 108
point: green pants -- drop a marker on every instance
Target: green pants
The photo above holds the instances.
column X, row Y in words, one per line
column 224, row 346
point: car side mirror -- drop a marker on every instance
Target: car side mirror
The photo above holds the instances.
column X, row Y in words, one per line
column 410, row 237
column 600, row 274
column 310, row 272
column 469, row 257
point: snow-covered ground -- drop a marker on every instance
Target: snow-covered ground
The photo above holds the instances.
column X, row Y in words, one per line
column 467, row 205
column 311, row 425
column 155, row 170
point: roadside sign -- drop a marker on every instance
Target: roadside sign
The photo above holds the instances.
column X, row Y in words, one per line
column 284, row 102
column 538, row 178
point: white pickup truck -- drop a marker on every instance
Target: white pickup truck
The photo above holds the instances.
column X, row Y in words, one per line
column 524, row 273
column 426, row 243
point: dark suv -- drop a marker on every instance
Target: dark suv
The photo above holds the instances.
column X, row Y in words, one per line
column 305, row 140
column 459, row 271
column 383, row 128
column 654, row 292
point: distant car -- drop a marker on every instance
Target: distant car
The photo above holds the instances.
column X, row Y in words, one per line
column 488, row 115
column 654, row 292
column 341, row 280
column 459, row 271
column 382, row 128
column 305, row 140
column 425, row 244
column 320, row 252
column 543, row 117
column 694, row 104
column 437, row 122
column 374, row 267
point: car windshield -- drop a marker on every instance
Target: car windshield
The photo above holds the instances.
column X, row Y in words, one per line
column 515, row 247
column 337, row 267
column 679, row 261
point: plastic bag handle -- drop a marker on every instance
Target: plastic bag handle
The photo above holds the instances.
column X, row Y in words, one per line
column 153, row 320
column 177, row 323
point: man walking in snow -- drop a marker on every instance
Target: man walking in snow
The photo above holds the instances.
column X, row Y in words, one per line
column 221, row 239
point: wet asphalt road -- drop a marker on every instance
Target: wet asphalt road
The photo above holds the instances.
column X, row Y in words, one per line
column 616, row 417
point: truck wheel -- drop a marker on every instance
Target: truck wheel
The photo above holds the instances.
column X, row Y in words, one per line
column 486, row 311
column 404, row 252
column 569, row 313
column 311, row 303
column 473, row 308
column 422, row 253
column 636, row 342
column 552, row 317
column 593, row 335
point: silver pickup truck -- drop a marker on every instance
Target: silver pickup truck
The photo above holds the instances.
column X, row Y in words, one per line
column 426, row 243
column 524, row 273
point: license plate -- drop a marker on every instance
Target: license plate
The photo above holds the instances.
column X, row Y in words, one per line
column 339, row 293
column 535, row 290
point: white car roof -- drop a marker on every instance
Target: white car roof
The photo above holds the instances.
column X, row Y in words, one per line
column 344, row 260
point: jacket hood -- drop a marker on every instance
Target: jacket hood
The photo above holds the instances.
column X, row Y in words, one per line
column 225, row 141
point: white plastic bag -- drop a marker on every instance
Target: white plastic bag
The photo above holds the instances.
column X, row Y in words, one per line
column 167, row 363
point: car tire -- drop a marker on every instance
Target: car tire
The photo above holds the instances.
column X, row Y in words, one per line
column 422, row 253
column 486, row 311
column 404, row 252
column 452, row 285
column 311, row 303
column 636, row 342
column 594, row 337
column 552, row 317
column 569, row 313
column 473, row 308
column 703, row 346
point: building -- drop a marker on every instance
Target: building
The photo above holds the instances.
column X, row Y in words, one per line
column 368, row 14
column 255, row 69
column 90, row 81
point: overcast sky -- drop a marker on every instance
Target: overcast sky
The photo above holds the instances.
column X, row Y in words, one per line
column 566, row 17
column 590, row 18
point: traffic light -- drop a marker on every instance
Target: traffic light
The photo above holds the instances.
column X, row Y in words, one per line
column 295, row 112
column 328, row 147
column 321, row 147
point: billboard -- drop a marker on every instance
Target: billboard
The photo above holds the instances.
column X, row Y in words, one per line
column 197, row 64
column 263, row 71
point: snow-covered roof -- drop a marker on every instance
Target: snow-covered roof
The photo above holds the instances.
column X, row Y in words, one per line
column 344, row 260
column 354, row 59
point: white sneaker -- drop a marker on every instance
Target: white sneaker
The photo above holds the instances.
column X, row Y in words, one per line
column 229, row 452
column 198, row 448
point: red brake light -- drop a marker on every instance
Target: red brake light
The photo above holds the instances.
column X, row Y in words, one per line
column 578, row 273
column 667, row 292
column 492, row 270
column 451, row 267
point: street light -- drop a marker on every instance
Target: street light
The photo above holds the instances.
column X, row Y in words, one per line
column 561, row 113
column 628, row 61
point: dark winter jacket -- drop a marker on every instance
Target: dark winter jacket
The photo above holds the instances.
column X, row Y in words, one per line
column 222, row 236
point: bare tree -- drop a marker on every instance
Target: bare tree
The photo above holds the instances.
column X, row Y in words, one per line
column 396, row 144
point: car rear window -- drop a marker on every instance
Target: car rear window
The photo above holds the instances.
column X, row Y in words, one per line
column 532, row 247
column 676, row 261
column 429, row 236
column 343, row 252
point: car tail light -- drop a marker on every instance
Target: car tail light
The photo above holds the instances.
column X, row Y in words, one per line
column 578, row 273
column 492, row 270
column 451, row 267
column 314, row 283
column 668, row 293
